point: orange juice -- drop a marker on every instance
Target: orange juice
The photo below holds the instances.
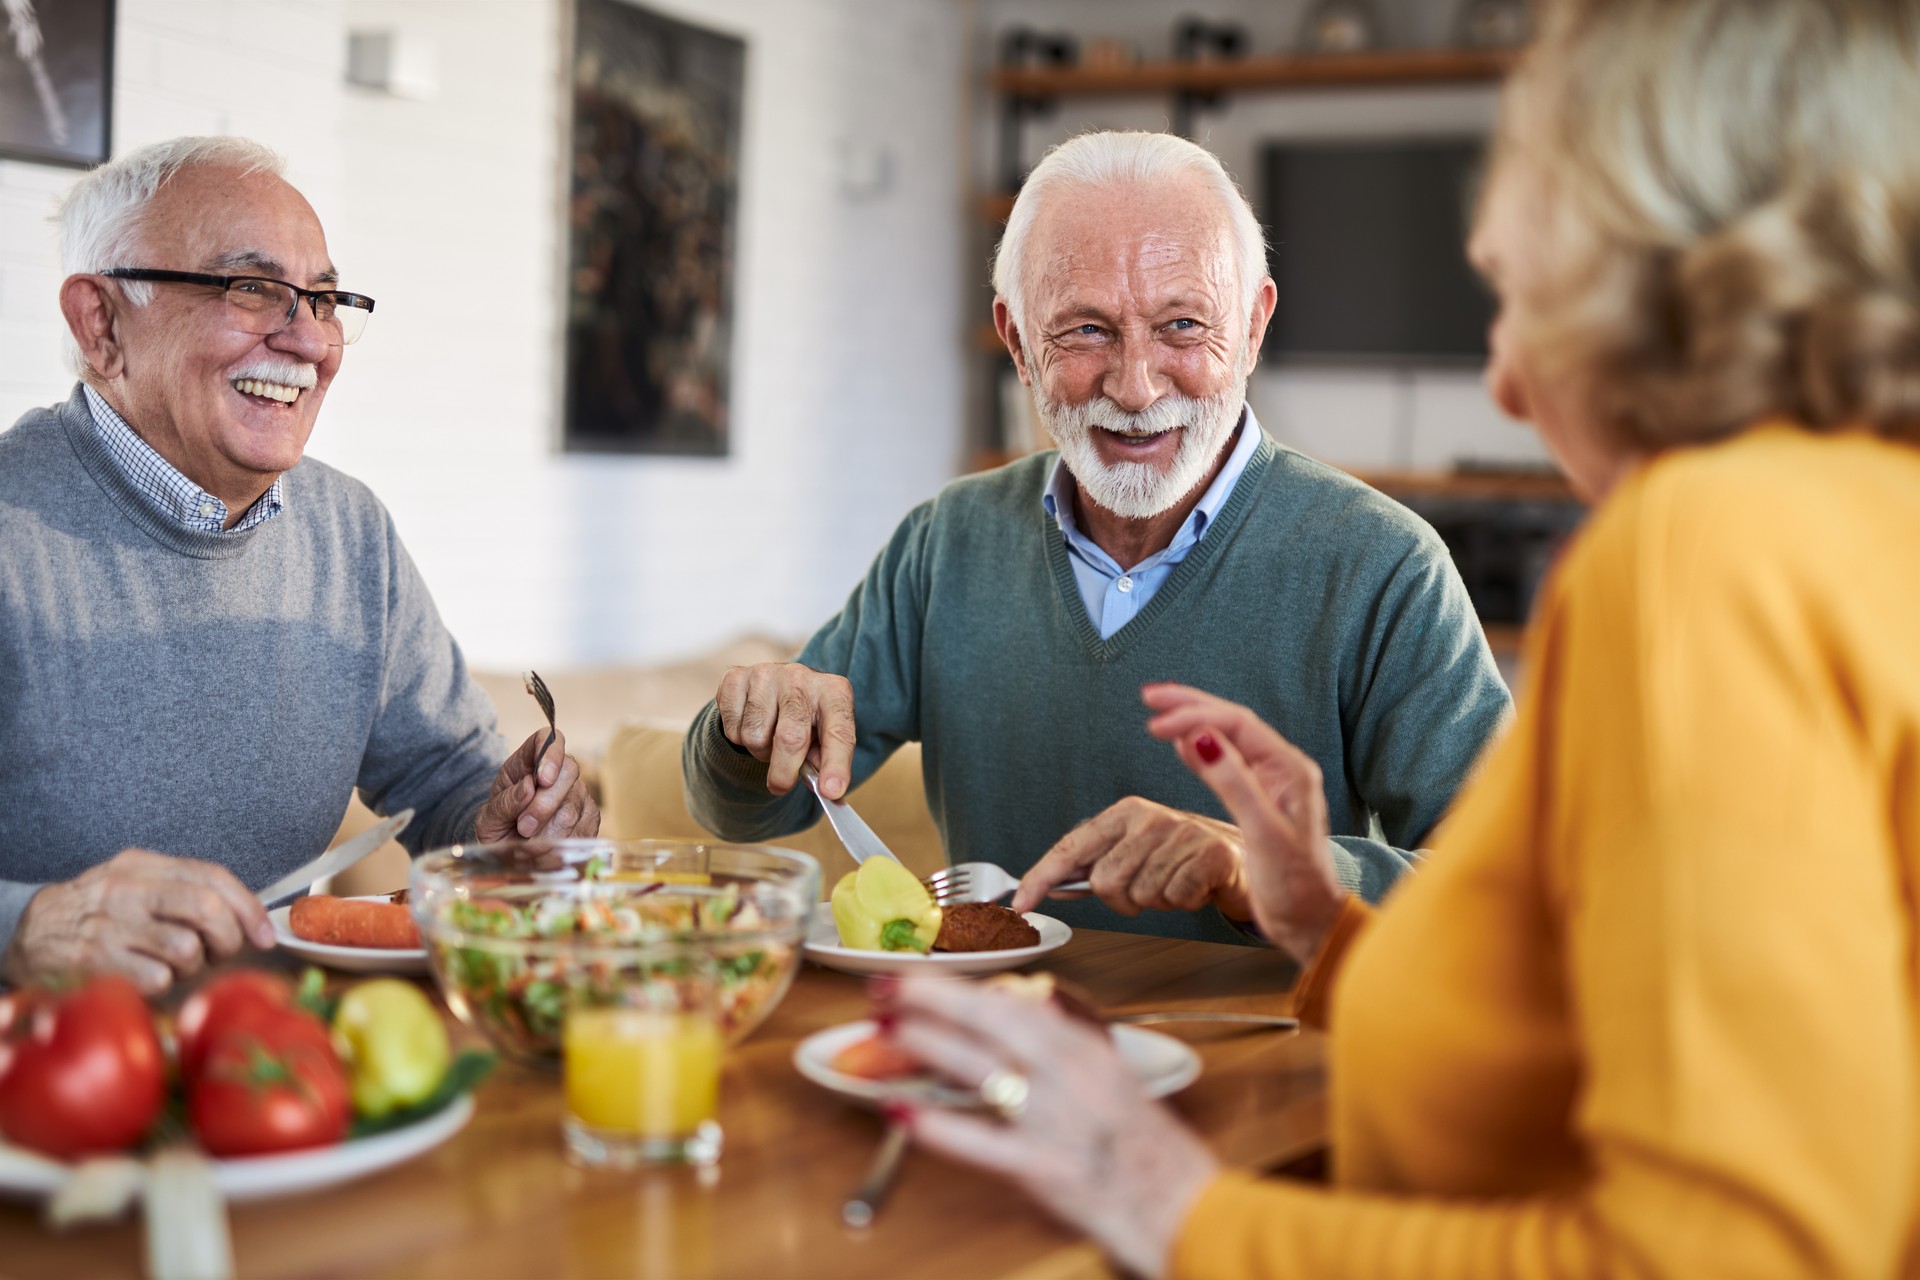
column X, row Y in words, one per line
column 644, row 1072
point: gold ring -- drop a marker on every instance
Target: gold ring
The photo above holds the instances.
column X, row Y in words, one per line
column 1005, row 1093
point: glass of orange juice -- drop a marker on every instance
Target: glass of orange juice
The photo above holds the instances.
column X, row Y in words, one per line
column 640, row 1053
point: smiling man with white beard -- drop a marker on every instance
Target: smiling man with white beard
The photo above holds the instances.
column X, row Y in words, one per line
column 207, row 642
column 1012, row 621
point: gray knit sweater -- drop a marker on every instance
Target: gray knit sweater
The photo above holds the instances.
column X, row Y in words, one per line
column 1332, row 611
column 217, row 696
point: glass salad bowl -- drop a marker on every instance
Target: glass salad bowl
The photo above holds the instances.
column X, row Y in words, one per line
column 512, row 928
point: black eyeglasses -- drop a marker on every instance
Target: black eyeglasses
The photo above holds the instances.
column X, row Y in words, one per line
column 263, row 301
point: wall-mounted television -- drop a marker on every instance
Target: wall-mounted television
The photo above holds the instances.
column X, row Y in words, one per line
column 1368, row 248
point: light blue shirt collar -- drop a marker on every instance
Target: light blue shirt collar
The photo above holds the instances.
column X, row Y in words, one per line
column 1115, row 596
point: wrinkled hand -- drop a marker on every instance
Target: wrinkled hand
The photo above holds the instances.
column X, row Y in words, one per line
column 1141, row 856
column 1090, row 1146
column 150, row 917
column 558, row 807
column 1274, row 792
column 786, row 715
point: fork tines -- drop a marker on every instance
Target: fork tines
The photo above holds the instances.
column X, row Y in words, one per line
column 538, row 688
column 948, row 882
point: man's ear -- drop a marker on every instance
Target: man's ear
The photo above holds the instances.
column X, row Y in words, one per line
column 1265, row 299
column 1010, row 334
column 93, row 320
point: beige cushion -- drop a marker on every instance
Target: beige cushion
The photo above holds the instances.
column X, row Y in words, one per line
column 642, row 796
column 382, row 871
column 591, row 702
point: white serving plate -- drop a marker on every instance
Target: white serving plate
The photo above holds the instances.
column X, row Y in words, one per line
column 1163, row 1064
column 823, row 948
column 346, row 959
column 25, row 1175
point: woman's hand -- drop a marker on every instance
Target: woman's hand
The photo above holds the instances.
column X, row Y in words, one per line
column 1274, row 792
column 1087, row 1143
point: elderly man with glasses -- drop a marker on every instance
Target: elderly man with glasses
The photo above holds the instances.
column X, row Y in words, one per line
column 206, row 642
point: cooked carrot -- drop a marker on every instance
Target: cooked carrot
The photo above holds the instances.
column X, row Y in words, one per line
column 876, row 1059
column 347, row 922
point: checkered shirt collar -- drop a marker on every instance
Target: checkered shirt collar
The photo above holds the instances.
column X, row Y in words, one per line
column 163, row 485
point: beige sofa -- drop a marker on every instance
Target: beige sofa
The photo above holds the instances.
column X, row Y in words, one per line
column 626, row 725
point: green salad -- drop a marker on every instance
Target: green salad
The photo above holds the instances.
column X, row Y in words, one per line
column 498, row 962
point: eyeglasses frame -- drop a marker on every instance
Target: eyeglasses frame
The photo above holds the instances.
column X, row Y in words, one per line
column 161, row 275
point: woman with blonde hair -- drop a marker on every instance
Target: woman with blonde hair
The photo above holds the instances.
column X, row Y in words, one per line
column 1650, row 1007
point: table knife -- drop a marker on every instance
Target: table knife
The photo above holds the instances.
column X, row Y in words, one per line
column 853, row 831
column 865, row 1202
column 1251, row 1021
column 337, row 859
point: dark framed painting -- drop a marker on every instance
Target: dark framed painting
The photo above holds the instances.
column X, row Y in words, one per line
column 56, row 80
column 653, row 195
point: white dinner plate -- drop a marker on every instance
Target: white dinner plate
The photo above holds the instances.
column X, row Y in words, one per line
column 823, row 947
column 25, row 1175
column 346, row 959
column 1164, row 1065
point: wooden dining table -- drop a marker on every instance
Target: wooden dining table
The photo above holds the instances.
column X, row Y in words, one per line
column 500, row 1199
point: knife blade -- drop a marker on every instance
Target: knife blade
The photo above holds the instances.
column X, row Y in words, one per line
column 1251, row 1021
column 336, row 859
column 854, row 833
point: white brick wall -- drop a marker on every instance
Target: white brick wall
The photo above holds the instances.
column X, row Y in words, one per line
column 267, row 68
column 31, row 371
column 849, row 361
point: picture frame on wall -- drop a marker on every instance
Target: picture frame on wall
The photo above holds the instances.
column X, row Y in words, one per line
column 56, row 81
column 652, row 203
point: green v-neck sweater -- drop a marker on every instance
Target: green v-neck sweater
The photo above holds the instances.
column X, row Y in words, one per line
column 1329, row 609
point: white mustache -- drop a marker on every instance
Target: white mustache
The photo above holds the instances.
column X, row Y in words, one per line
column 287, row 373
column 1168, row 413
column 1135, row 490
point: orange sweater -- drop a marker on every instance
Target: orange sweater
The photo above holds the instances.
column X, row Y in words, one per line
column 1650, row 1008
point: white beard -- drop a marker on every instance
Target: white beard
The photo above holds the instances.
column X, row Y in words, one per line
column 1139, row 490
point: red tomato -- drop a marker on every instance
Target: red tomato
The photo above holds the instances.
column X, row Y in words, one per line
column 253, row 1096
column 229, row 1001
column 81, row 1073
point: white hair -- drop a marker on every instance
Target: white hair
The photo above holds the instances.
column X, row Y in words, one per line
column 1113, row 158
column 100, row 217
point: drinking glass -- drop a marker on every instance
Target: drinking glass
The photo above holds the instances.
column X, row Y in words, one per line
column 641, row 1048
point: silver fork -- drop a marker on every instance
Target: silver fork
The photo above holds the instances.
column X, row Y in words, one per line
column 538, row 688
column 865, row 1202
column 985, row 882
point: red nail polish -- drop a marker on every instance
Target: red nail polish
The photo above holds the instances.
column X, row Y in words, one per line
column 898, row 1113
column 886, row 1020
column 1206, row 748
